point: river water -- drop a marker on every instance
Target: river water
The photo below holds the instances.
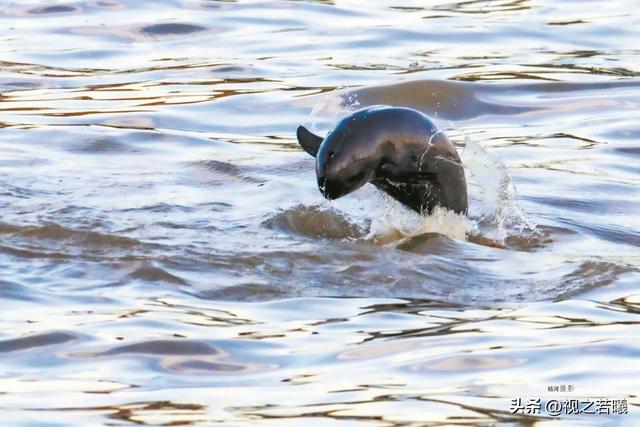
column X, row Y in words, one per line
column 167, row 259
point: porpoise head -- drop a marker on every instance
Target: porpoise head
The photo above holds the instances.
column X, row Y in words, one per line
column 347, row 158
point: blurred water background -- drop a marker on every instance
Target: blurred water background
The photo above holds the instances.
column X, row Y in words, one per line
column 167, row 259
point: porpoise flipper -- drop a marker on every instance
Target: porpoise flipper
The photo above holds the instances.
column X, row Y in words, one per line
column 309, row 141
column 422, row 191
column 419, row 192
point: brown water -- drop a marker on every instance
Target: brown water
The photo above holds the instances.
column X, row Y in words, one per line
column 166, row 257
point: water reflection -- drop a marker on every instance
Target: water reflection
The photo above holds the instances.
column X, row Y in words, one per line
column 450, row 345
column 34, row 341
column 485, row 6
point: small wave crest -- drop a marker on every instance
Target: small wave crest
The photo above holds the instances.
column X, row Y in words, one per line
column 369, row 215
column 315, row 221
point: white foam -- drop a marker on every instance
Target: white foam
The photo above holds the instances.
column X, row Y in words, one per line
column 389, row 221
column 394, row 226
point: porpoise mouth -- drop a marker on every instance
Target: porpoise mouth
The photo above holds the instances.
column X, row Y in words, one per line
column 331, row 189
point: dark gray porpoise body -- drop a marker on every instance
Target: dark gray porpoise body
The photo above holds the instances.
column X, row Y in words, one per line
column 399, row 150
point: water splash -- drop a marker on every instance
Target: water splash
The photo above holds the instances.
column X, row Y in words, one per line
column 331, row 107
column 492, row 195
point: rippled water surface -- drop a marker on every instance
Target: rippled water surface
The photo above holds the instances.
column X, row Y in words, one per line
column 167, row 259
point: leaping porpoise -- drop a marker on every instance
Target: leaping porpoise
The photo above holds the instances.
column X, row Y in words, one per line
column 397, row 149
